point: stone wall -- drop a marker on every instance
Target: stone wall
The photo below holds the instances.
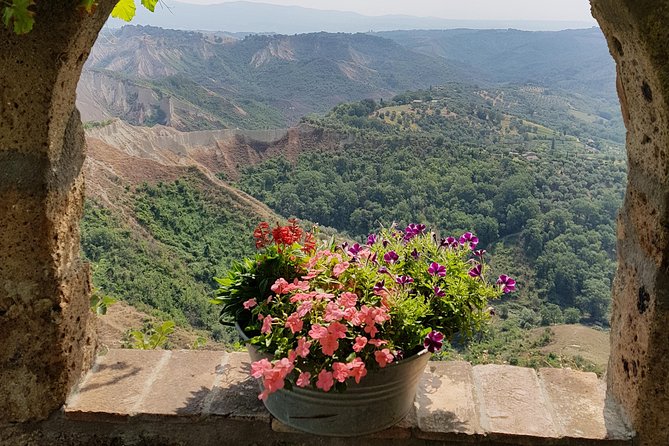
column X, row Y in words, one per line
column 638, row 35
column 45, row 332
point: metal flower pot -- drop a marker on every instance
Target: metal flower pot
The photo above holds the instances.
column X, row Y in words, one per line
column 382, row 399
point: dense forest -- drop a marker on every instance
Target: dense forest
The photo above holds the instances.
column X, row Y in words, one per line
column 540, row 186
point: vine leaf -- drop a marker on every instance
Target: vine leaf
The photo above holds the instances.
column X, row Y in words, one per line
column 18, row 15
column 124, row 10
column 150, row 4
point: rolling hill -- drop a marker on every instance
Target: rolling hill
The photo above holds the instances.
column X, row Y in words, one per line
column 195, row 81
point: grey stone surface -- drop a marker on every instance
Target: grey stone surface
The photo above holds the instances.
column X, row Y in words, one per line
column 445, row 401
column 184, row 384
column 578, row 401
column 114, row 388
column 511, row 402
column 235, row 394
column 455, row 402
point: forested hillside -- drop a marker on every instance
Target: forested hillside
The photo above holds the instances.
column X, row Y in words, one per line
column 539, row 185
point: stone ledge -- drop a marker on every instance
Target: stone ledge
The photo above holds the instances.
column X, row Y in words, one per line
column 455, row 402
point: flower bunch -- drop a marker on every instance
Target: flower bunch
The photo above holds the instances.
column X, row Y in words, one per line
column 345, row 309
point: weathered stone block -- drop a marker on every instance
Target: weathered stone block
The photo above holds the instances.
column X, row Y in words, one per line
column 445, row 404
column 511, row 402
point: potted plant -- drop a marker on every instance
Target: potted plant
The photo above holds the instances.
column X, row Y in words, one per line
column 342, row 332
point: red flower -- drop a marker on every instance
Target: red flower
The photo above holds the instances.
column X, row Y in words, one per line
column 309, row 244
column 261, row 234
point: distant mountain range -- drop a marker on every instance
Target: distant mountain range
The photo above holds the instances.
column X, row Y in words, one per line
column 196, row 80
column 261, row 17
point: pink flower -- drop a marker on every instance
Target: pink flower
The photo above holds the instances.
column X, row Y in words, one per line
column 312, row 273
column 337, row 329
column 259, row 368
column 304, row 308
column 328, row 337
column 340, row 268
column 303, row 380
column 266, row 325
column 302, row 347
column 377, row 342
column 329, row 344
column 318, row 331
column 333, row 312
column 360, row 342
column 298, row 297
column 357, row 369
column 323, row 296
column 250, row 303
column 325, row 380
column 340, row 371
column 280, row 286
column 273, row 377
column 294, row 323
column 383, row 357
column 348, row 299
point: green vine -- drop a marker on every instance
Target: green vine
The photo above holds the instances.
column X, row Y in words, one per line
column 19, row 16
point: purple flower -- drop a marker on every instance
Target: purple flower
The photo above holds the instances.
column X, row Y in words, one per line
column 476, row 271
column 413, row 230
column 354, row 250
column 436, row 269
column 398, row 354
column 451, row 242
column 415, row 254
column 344, row 246
column 371, row 239
column 507, row 283
column 373, row 259
column 385, row 243
column 434, row 341
column 403, row 280
column 438, row 292
column 470, row 238
column 391, row 257
column 383, row 270
column 380, row 286
column 479, row 252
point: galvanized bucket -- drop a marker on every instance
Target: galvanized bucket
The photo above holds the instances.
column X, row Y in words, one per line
column 382, row 399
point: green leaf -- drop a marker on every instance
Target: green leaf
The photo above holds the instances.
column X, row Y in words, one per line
column 150, row 4
column 124, row 10
column 19, row 15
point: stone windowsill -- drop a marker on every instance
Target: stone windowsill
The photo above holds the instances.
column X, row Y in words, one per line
column 148, row 393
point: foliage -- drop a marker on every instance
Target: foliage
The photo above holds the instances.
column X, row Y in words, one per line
column 150, row 336
column 100, row 303
column 342, row 310
column 17, row 15
column 186, row 235
column 457, row 160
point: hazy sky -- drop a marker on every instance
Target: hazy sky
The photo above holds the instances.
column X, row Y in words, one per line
column 450, row 9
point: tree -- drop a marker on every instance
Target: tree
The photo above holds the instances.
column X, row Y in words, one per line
column 19, row 15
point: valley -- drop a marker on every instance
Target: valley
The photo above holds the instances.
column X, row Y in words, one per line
column 215, row 136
